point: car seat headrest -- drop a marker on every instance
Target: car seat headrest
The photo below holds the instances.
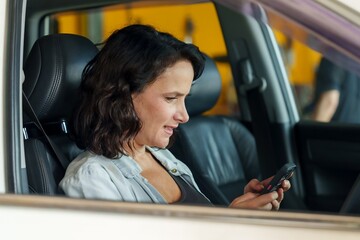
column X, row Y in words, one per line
column 205, row 90
column 53, row 72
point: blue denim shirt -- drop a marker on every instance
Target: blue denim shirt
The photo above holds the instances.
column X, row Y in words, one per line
column 97, row 177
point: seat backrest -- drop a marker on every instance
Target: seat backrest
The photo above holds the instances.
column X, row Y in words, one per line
column 219, row 150
column 53, row 72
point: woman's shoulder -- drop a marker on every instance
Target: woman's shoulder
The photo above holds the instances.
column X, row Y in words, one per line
column 87, row 163
column 92, row 176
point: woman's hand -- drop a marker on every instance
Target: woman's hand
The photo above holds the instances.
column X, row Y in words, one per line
column 256, row 186
column 253, row 199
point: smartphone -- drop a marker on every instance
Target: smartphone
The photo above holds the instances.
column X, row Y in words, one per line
column 284, row 173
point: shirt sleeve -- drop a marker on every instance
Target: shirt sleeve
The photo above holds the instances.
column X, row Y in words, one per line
column 329, row 76
column 91, row 182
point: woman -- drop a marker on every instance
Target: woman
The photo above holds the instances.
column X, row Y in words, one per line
column 132, row 99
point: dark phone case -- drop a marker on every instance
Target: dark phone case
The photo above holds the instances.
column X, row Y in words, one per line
column 284, row 173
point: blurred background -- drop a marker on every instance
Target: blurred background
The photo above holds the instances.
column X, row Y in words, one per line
column 198, row 24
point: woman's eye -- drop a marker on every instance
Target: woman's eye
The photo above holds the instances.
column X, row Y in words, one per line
column 170, row 98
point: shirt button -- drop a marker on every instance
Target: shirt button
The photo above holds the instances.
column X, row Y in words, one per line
column 173, row 170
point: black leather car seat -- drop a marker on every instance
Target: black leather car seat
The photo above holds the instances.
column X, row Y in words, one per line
column 219, row 150
column 53, row 71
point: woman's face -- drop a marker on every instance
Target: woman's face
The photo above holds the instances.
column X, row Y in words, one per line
column 161, row 106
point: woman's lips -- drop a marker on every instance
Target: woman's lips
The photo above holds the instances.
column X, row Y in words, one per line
column 169, row 130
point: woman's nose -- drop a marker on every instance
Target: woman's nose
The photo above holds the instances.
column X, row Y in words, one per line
column 182, row 115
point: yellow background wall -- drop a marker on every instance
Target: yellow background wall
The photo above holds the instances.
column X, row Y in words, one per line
column 207, row 32
column 301, row 63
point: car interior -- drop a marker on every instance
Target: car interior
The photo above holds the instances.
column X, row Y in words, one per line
column 224, row 158
column 53, row 71
column 223, row 148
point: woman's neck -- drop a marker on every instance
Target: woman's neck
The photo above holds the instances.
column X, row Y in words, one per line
column 137, row 152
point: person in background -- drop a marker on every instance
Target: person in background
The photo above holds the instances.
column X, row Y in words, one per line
column 337, row 94
column 132, row 100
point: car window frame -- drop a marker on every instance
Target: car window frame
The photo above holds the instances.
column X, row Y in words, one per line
column 15, row 175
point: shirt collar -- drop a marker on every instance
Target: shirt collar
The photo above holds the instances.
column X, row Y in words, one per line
column 130, row 168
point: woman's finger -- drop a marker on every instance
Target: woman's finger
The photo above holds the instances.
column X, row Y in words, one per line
column 286, row 185
column 280, row 192
column 267, row 181
column 275, row 205
column 255, row 201
column 243, row 198
column 254, row 186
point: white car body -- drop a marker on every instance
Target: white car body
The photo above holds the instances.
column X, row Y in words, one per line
column 44, row 217
column 3, row 28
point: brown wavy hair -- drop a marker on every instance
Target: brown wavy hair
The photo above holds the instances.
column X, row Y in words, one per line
column 131, row 59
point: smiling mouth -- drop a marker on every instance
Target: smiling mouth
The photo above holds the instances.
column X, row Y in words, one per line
column 169, row 130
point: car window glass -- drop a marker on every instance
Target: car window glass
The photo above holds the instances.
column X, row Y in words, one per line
column 196, row 23
column 199, row 24
column 324, row 90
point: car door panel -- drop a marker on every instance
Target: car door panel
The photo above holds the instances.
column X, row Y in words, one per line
column 330, row 161
column 252, row 58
